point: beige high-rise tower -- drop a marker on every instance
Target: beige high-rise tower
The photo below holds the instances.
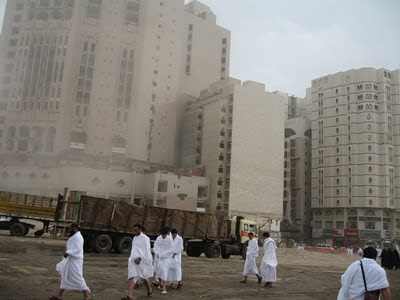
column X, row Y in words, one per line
column 355, row 162
column 92, row 87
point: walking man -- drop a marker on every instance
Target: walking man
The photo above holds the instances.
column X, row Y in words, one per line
column 250, row 266
column 175, row 270
column 140, row 263
column 71, row 267
column 269, row 261
column 163, row 249
column 365, row 275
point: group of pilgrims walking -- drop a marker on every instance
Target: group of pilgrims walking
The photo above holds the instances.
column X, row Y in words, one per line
column 166, row 267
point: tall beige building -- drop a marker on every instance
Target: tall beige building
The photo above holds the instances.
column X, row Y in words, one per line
column 355, row 156
column 235, row 131
column 297, row 179
column 93, row 87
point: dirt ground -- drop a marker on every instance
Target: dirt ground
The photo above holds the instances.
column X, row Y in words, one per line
column 27, row 271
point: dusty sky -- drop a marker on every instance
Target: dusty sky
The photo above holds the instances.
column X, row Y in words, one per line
column 287, row 43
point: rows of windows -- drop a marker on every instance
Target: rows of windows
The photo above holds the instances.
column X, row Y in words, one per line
column 189, row 49
column 44, row 10
column 125, row 85
column 85, row 77
column 35, row 139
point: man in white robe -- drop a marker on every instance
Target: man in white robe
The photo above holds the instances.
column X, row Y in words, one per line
column 269, row 261
column 71, row 267
column 163, row 249
column 175, row 269
column 250, row 266
column 353, row 287
column 140, row 263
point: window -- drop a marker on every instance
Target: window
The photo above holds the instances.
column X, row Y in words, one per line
column 339, row 224
column 318, row 213
column 318, row 225
column 328, row 213
column 369, row 225
column 369, row 169
column 94, row 9
column 328, row 225
column 162, row 186
column 370, row 213
column 339, row 213
column 132, row 11
column 201, row 191
column 20, row 6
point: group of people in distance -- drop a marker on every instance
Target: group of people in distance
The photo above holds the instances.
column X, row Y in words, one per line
column 390, row 258
column 268, row 263
column 167, row 264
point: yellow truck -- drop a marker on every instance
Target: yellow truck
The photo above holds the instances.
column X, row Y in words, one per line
column 15, row 208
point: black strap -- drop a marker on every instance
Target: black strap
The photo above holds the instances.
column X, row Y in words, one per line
column 362, row 270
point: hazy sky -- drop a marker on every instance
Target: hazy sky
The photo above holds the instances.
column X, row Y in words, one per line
column 287, row 43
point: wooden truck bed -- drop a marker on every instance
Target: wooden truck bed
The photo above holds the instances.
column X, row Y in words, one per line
column 27, row 206
column 116, row 216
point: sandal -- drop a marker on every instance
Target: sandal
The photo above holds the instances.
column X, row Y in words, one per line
column 243, row 281
column 163, row 292
column 259, row 279
column 150, row 293
column 126, row 297
column 179, row 286
column 136, row 286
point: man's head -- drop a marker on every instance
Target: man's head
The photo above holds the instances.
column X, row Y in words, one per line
column 73, row 228
column 164, row 233
column 251, row 235
column 137, row 229
column 370, row 252
column 174, row 232
column 266, row 235
column 168, row 229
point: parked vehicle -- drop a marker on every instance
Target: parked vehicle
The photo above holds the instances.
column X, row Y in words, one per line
column 15, row 207
column 107, row 224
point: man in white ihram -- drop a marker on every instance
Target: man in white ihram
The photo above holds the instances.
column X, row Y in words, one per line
column 140, row 263
column 175, row 269
column 250, row 266
column 71, row 267
column 353, row 285
column 163, row 249
column 269, row 262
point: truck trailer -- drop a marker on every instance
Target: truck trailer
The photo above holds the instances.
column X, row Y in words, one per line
column 16, row 208
column 107, row 225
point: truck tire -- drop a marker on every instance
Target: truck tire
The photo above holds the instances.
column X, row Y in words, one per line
column 225, row 256
column 244, row 251
column 86, row 243
column 26, row 230
column 193, row 251
column 123, row 245
column 213, row 250
column 17, row 229
column 101, row 243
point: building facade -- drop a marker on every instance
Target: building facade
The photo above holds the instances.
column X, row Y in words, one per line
column 297, row 214
column 235, row 130
column 94, row 87
column 355, row 156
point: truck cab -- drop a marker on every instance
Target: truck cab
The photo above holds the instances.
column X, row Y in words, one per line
column 240, row 229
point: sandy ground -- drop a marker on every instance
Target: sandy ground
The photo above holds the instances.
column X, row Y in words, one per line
column 27, row 271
